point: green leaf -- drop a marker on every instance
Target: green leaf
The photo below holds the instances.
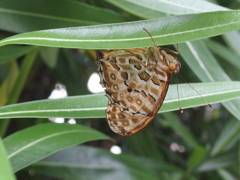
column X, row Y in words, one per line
column 138, row 10
column 165, row 169
column 225, row 175
column 12, row 72
column 50, row 56
column 206, row 68
column 84, row 162
column 32, row 144
column 230, row 132
column 179, row 6
column 131, row 34
column 196, row 158
column 5, row 170
column 224, row 52
column 232, row 39
column 146, row 147
column 218, row 162
column 21, row 16
column 10, row 53
column 93, row 106
column 181, row 130
column 23, row 75
column 17, row 86
column 202, row 62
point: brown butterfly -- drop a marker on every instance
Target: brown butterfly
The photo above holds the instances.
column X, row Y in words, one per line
column 136, row 82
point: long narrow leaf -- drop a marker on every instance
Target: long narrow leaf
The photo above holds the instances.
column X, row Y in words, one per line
column 181, row 130
column 21, row 16
column 205, row 66
column 225, row 174
column 12, row 71
column 232, row 39
column 5, row 90
column 5, row 170
column 196, row 158
column 138, row 10
column 224, row 52
column 18, row 85
column 179, row 6
column 23, row 75
column 93, row 106
column 218, row 162
column 230, row 132
column 32, row 144
column 168, row 30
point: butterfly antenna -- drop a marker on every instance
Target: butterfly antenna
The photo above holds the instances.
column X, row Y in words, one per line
column 154, row 43
column 179, row 103
column 196, row 91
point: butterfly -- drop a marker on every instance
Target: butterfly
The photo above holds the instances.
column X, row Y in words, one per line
column 136, row 82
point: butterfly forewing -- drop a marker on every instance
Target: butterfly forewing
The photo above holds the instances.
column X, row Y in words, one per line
column 136, row 82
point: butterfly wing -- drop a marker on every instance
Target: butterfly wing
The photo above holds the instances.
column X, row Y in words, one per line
column 136, row 86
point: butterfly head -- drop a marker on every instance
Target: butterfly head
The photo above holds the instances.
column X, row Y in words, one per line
column 174, row 65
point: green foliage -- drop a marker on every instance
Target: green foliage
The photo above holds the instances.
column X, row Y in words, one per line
column 6, row 170
column 201, row 143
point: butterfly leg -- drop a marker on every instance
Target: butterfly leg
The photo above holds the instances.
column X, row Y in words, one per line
column 171, row 51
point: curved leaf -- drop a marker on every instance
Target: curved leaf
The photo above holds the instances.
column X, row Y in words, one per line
column 168, row 30
column 32, row 144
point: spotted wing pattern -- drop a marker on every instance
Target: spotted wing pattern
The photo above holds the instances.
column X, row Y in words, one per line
column 136, row 82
